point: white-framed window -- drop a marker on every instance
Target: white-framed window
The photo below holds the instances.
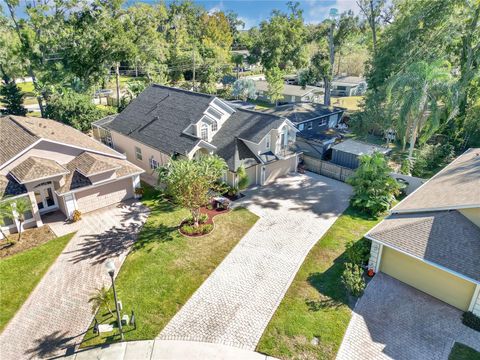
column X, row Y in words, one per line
column 204, row 132
column 322, row 122
column 301, row 127
column 310, row 126
column 154, row 164
column 267, row 142
column 214, row 125
column 138, row 153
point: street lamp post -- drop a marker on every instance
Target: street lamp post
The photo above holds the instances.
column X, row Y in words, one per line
column 111, row 271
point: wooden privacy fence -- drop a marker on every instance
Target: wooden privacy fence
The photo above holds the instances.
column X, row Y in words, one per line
column 327, row 169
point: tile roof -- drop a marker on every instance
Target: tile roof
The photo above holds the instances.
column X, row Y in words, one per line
column 456, row 186
column 14, row 139
column 36, row 168
column 56, row 131
column 303, row 111
column 75, row 179
column 89, row 164
column 158, row 116
column 359, row 147
column 446, row 238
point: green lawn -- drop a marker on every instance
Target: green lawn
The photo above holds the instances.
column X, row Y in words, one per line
column 316, row 304
column 351, row 103
column 165, row 268
column 463, row 352
column 27, row 88
column 20, row 274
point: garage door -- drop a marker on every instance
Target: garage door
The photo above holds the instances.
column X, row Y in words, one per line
column 252, row 175
column 278, row 168
column 104, row 195
column 429, row 279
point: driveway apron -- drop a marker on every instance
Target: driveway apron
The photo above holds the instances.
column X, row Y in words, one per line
column 234, row 305
column 57, row 314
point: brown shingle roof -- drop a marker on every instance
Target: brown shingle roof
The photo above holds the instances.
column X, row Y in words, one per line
column 35, row 168
column 446, row 238
column 89, row 164
column 456, row 186
column 56, row 131
column 13, row 139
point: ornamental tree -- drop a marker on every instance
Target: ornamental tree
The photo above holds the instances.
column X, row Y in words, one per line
column 189, row 181
column 374, row 188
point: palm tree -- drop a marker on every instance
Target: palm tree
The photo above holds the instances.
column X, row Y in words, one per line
column 21, row 206
column 421, row 93
column 5, row 213
column 101, row 297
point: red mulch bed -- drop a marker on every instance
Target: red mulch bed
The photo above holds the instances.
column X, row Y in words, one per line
column 211, row 214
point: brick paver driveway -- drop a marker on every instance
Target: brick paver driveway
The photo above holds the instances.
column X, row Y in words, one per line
column 395, row 321
column 57, row 313
column 234, row 305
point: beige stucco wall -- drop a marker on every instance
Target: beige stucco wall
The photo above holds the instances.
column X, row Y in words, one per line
column 126, row 145
column 427, row 278
column 472, row 214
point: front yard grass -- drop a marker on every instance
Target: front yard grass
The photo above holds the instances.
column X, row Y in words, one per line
column 316, row 305
column 463, row 352
column 20, row 273
column 165, row 268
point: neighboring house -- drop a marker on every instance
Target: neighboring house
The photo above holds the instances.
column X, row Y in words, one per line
column 347, row 152
column 59, row 168
column 431, row 239
column 246, row 66
column 316, row 123
column 164, row 122
column 344, row 85
column 291, row 93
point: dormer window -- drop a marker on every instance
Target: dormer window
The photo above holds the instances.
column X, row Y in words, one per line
column 204, row 132
column 214, row 125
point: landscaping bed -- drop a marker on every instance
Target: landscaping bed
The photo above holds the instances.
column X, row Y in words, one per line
column 206, row 223
column 30, row 238
column 314, row 314
column 20, row 273
column 165, row 268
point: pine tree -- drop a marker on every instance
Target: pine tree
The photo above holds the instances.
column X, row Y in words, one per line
column 12, row 98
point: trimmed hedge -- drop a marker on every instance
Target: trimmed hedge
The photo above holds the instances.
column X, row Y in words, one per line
column 471, row 320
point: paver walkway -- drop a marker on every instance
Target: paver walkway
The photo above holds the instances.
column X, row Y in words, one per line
column 234, row 305
column 395, row 321
column 57, row 313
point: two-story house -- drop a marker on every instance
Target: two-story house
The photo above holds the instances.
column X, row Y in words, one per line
column 165, row 122
column 431, row 239
column 58, row 168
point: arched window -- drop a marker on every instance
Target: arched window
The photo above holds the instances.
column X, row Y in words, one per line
column 204, row 132
column 214, row 125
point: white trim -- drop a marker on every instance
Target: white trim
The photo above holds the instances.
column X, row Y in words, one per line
column 379, row 257
column 20, row 153
column 201, row 144
column 224, row 104
column 476, row 295
column 119, row 156
column 39, row 179
column 452, row 272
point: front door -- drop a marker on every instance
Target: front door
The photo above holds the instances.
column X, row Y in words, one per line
column 46, row 200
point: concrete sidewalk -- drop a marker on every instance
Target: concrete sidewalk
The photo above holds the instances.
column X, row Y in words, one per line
column 166, row 350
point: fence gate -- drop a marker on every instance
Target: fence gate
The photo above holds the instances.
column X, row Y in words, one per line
column 327, row 169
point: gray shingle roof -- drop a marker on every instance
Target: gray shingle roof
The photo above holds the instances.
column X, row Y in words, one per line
column 359, row 147
column 158, row 116
column 300, row 112
column 289, row 90
column 457, row 185
column 446, row 238
column 35, row 168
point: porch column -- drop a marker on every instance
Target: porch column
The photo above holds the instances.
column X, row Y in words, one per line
column 136, row 185
column 35, row 211
column 70, row 204
column 375, row 256
column 475, row 304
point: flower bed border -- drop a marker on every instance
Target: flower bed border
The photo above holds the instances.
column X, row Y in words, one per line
column 210, row 220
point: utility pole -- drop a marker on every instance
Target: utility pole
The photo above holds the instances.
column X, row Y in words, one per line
column 193, row 77
column 117, row 76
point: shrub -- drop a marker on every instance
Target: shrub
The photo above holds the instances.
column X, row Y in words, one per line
column 358, row 252
column 406, row 167
column 233, row 191
column 203, row 218
column 471, row 320
column 431, row 158
column 200, row 229
column 139, row 191
column 353, row 280
column 210, row 206
column 242, row 178
column 206, row 228
column 77, row 216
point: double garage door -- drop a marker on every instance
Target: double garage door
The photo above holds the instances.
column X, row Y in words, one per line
column 438, row 283
column 105, row 195
column 279, row 168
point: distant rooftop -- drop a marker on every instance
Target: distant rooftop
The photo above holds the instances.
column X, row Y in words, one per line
column 304, row 111
column 291, row 90
column 347, row 80
column 359, row 147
